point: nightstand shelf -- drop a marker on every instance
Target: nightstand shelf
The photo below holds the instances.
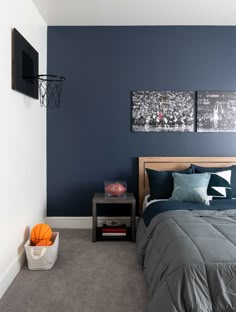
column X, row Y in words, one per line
column 100, row 198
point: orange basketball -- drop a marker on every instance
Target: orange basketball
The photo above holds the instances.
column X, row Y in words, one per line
column 39, row 232
column 44, row 242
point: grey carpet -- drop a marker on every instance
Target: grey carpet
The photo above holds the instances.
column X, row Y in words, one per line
column 87, row 277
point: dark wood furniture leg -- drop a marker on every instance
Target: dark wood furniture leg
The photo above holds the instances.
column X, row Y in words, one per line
column 94, row 221
column 133, row 221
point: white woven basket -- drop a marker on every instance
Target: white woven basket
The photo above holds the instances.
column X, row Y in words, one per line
column 42, row 257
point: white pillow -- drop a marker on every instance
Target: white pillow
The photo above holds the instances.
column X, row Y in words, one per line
column 220, row 185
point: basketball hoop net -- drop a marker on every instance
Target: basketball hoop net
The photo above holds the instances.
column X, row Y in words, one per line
column 50, row 87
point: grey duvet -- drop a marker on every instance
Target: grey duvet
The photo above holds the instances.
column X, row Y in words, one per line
column 189, row 260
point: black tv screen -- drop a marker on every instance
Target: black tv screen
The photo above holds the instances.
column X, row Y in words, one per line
column 24, row 66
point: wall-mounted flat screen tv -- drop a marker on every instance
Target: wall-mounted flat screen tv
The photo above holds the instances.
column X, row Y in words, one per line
column 24, row 66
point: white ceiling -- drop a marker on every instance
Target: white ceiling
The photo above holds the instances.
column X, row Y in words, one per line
column 137, row 12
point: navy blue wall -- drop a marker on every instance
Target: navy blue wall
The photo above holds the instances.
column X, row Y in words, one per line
column 89, row 138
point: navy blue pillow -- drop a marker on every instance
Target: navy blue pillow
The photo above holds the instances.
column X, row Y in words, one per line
column 199, row 169
column 161, row 183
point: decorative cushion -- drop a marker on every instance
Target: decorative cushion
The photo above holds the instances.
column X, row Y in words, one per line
column 191, row 187
column 219, row 185
column 199, row 169
column 161, row 182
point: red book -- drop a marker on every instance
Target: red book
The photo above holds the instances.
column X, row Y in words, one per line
column 114, row 230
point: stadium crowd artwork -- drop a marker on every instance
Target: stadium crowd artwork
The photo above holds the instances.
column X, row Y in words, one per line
column 216, row 111
column 183, row 111
column 158, row 111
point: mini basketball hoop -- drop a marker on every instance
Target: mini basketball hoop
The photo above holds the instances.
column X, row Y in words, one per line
column 50, row 87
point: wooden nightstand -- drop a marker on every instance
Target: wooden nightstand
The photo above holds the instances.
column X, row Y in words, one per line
column 99, row 198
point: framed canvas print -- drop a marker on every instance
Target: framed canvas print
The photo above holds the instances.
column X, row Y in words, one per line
column 216, row 111
column 163, row 111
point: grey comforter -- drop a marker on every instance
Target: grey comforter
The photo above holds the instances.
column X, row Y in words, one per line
column 189, row 260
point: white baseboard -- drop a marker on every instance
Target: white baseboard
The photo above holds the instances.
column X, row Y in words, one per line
column 11, row 272
column 13, row 269
column 80, row 222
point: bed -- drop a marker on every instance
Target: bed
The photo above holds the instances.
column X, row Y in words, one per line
column 187, row 250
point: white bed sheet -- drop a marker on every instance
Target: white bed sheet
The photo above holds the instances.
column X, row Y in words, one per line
column 146, row 203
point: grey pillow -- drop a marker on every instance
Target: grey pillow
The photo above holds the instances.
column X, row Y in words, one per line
column 191, row 187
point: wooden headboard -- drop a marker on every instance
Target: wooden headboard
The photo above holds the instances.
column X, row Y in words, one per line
column 174, row 163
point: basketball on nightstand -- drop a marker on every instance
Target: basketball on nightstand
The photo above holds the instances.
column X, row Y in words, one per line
column 39, row 232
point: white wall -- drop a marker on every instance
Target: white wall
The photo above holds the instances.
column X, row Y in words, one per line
column 22, row 142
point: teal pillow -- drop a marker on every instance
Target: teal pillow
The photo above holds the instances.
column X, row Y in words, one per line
column 191, row 187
